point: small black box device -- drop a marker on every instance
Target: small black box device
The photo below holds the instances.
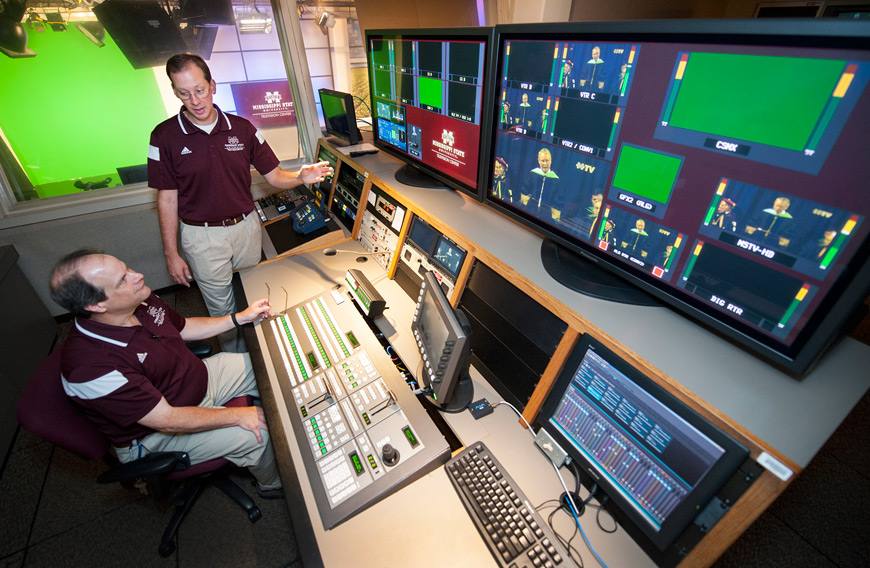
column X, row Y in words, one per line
column 480, row 408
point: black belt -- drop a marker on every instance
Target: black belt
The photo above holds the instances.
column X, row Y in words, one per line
column 223, row 223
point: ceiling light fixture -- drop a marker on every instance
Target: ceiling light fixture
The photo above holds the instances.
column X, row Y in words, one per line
column 13, row 37
column 94, row 31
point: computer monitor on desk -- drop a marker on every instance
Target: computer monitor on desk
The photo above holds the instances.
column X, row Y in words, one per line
column 658, row 461
column 443, row 337
column 339, row 117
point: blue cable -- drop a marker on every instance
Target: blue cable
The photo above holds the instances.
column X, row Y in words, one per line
column 582, row 533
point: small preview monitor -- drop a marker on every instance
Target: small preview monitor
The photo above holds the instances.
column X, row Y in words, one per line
column 653, row 456
column 443, row 337
column 339, row 117
column 448, row 255
column 422, row 235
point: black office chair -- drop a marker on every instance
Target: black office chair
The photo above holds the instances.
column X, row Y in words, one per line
column 45, row 410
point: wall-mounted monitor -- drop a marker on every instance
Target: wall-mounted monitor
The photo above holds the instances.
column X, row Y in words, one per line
column 658, row 461
column 718, row 166
column 339, row 117
column 428, row 92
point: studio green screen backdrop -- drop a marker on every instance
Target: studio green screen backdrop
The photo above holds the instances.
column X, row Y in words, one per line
column 76, row 110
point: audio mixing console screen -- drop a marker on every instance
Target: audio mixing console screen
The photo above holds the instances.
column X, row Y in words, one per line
column 653, row 456
column 658, row 460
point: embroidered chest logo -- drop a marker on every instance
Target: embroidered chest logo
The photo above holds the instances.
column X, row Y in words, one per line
column 141, row 357
column 233, row 144
column 159, row 314
column 185, row 150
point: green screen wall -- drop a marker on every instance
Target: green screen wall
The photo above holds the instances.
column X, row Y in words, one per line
column 76, row 110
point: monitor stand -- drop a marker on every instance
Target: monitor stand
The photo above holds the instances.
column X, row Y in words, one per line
column 337, row 142
column 583, row 275
column 410, row 175
column 463, row 393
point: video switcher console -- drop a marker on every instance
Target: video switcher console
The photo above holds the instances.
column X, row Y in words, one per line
column 362, row 432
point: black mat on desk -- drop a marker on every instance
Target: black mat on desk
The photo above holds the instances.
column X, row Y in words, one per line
column 284, row 238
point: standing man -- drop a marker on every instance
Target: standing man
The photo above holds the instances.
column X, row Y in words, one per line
column 125, row 363
column 200, row 163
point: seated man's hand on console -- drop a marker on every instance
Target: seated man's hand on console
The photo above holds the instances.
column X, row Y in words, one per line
column 261, row 309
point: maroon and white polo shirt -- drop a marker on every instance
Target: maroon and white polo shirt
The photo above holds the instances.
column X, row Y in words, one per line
column 118, row 374
column 212, row 172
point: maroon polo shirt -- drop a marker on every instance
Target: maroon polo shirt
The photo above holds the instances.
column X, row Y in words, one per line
column 212, row 172
column 118, row 374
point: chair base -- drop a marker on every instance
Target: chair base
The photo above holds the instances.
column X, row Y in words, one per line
column 187, row 494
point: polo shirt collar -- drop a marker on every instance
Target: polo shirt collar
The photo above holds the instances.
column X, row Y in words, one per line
column 187, row 127
column 113, row 334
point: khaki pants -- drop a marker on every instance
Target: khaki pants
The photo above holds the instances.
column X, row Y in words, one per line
column 213, row 253
column 229, row 375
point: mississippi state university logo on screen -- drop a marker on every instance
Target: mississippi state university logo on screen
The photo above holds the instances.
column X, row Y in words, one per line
column 272, row 97
column 445, row 149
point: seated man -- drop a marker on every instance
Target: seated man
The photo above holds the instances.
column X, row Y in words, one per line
column 126, row 365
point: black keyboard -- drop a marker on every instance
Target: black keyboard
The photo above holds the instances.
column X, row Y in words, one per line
column 511, row 527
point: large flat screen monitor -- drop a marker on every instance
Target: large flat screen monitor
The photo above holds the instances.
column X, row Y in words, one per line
column 655, row 458
column 719, row 166
column 428, row 89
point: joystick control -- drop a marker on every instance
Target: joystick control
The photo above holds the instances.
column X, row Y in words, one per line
column 389, row 455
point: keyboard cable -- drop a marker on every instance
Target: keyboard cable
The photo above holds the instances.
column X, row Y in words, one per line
column 565, row 487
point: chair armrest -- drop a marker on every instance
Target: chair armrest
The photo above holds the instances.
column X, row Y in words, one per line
column 201, row 349
column 156, row 464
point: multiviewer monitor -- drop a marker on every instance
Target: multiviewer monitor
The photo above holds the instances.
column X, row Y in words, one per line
column 656, row 459
column 718, row 165
column 443, row 337
column 339, row 117
column 428, row 89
